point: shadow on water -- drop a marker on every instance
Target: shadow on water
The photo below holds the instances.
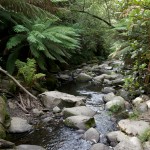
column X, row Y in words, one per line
column 55, row 136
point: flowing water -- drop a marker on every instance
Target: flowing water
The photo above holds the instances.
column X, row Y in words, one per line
column 55, row 136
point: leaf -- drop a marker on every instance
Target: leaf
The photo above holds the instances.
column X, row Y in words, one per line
column 14, row 41
column 20, row 28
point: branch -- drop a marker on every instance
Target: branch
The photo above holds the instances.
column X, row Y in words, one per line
column 94, row 16
column 26, row 91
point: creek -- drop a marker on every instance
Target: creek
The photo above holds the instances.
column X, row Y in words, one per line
column 55, row 136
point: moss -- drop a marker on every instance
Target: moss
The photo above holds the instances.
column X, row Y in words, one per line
column 90, row 123
column 69, row 124
column 67, row 114
column 116, row 108
column 66, row 104
column 2, row 132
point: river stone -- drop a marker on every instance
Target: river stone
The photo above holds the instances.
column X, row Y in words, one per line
column 6, row 144
column 107, row 82
column 118, row 81
column 116, row 101
column 83, row 77
column 92, row 135
column 132, row 144
column 56, row 109
column 29, row 147
column 100, row 78
column 37, row 112
column 80, row 110
column 52, row 99
column 146, row 145
column 19, row 125
column 123, row 93
column 108, row 97
column 137, row 101
column 107, row 90
column 100, row 146
column 133, row 127
column 80, row 122
column 142, row 107
column 148, row 104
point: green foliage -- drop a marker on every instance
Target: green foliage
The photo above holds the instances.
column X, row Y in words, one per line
column 145, row 136
column 134, row 115
column 28, row 71
column 132, row 45
column 116, row 109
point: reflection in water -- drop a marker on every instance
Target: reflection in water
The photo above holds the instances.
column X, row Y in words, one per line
column 55, row 136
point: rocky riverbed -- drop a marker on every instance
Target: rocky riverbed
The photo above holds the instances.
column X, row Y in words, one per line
column 92, row 112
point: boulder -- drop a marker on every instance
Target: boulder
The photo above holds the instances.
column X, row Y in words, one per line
column 80, row 110
column 107, row 90
column 100, row 78
column 107, row 82
column 142, row 107
column 52, row 99
column 92, row 135
column 118, row 81
column 37, row 112
column 116, row 103
column 19, row 125
column 132, row 143
column 2, row 132
column 133, row 127
column 100, row 146
column 83, row 77
column 148, row 104
column 6, row 144
column 123, row 93
column 108, row 97
column 80, row 122
column 29, row 147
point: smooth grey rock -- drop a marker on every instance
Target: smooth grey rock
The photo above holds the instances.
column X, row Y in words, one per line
column 80, row 110
column 142, row 107
column 52, row 99
column 100, row 78
column 115, row 137
column 56, row 109
column 108, row 97
column 83, row 77
column 132, row 144
column 100, row 146
column 133, row 127
column 92, row 135
column 37, row 112
column 64, row 77
column 19, row 125
column 80, row 122
column 116, row 101
column 123, row 93
column 29, row 147
column 107, row 82
column 6, row 144
column 47, row 119
column 118, row 81
column 107, row 90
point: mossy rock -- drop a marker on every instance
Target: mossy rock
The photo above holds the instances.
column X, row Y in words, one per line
column 2, row 132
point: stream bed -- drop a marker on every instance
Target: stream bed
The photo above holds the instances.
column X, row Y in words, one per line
column 55, row 136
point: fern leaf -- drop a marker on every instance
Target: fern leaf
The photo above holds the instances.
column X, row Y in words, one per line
column 14, row 41
column 20, row 28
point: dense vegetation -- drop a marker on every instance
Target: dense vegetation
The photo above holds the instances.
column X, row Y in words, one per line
column 59, row 32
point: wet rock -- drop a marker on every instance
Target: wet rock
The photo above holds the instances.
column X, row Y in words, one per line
column 133, row 127
column 146, row 145
column 56, row 109
column 107, row 82
column 107, row 90
column 137, row 101
column 47, row 119
column 118, row 81
column 80, row 110
column 132, row 144
column 100, row 146
column 80, row 122
column 92, row 135
column 83, row 77
column 108, row 97
column 6, row 144
column 100, row 78
column 52, row 99
column 19, row 125
column 29, row 147
column 64, row 77
column 37, row 112
column 117, row 102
